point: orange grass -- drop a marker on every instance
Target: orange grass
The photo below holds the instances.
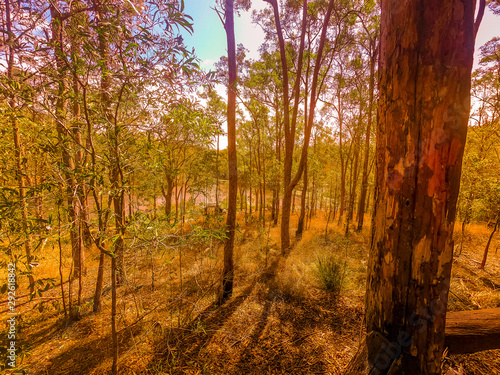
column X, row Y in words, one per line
column 279, row 320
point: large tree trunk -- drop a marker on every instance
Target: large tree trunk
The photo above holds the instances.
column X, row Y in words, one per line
column 425, row 69
column 228, row 266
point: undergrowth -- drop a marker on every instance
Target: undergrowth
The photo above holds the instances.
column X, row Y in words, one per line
column 330, row 273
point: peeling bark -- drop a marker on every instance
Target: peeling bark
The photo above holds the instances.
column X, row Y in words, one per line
column 425, row 68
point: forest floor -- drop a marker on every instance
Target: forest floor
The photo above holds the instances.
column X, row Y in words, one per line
column 280, row 319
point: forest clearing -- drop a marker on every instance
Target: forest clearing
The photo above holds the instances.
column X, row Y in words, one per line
column 250, row 187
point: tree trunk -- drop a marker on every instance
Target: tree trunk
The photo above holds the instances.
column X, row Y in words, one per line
column 250, row 169
column 278, row 154
column 242, row 195
column 300, row 225
column 17, row 145
column 425, row 73
column 354, row 181
column 290, row 122
column 485, row 255
column 167, row 194
column 468, row 210
column 184, row 193
column 63, row 137
column 176, row 196
column 228, row 266
column 217, row 174
column 364, row 181
column 343, row 165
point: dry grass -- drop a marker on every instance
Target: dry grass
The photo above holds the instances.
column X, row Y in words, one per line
column 279, row 321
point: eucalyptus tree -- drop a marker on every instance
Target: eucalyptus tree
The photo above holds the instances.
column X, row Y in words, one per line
column 420, row 143
column 322, row 48
column 181, row 129
column 369, row 19
column 215, row 110
column 18, row 110
column 480, row 185
column 226, row 10
column 261, row 83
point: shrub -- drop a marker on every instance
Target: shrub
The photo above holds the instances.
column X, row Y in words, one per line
column 330, row 273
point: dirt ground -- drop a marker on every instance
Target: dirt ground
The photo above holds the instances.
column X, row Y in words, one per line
column 279, row 321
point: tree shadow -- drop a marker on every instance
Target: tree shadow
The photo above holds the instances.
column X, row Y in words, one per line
column 180, row 347
column 289, row 346
column 80, row 358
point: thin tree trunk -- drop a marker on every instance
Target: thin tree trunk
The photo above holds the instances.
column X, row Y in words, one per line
column 167, row 194
column 114, row 334
column 300, row 225
column 228, row 266
column 17, row 145
column 263, row 192
column 278, row 179
column 217, row 174
column 364, row 181
column 250, row 169
column 485, row 255
column 354, row 180
column 61, row 277
column 63, row 136
column 289, row 123
column 468, row 209
column 343, row 166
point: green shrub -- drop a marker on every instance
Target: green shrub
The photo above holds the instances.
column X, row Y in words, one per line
column 330, row 273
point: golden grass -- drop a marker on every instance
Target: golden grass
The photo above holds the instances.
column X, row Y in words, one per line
column 280, row 319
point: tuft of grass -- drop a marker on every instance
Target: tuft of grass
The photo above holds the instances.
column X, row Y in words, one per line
column 330, row 273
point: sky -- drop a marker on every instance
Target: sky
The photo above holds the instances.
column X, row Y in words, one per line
column 209, row 38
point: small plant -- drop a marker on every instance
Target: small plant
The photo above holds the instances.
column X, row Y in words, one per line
column 330, row 273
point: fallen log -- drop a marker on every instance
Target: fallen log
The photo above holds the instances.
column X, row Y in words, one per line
column 466, row 332
column 472, row 331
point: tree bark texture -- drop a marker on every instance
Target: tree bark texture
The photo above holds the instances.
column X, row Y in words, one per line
column 425, row 69
column 466, row 332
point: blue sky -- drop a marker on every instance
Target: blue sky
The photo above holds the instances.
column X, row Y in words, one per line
column 209, row 38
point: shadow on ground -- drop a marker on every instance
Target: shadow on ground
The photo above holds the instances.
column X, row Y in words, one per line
column 285, row 334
